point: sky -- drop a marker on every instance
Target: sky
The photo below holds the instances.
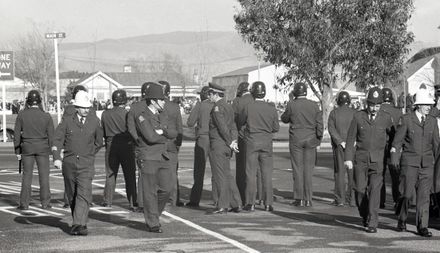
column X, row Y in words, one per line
column 92, row 20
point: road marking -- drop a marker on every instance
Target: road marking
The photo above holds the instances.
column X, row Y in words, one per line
column 212, row 233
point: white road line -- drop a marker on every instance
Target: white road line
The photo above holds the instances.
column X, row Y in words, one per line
column 212, row 233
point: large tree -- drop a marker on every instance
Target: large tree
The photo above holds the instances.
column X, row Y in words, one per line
column 35, row 62
column 367, row 39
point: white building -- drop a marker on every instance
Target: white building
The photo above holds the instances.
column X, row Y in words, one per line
column 423, row 71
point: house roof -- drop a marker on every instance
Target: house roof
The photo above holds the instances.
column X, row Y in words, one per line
column 412, row 68
column 242, row 71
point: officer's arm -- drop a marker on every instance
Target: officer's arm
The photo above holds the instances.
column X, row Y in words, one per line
column 59, row 138
column 103, row 124
column 17, row 134
column 400, row 134
column 285, row 117
column 179, row 125
column 436, row 139
column 193, row 116
column 351, row 138
column 220, row 122
column 319, row 123
column 391, row 130
column 275, row 122
column 332, row 128
column 148, row 132
column 50, row 130
column 131, row 125
column 169, row 132
column 99, row 135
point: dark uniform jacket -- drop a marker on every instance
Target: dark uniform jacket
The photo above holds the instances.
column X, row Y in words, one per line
column 171, row 119
column 239, row 105
column 339, row 122
column 369, row 136
column 395, row 113
column 261, row 120
column 222, row 126
column 114, row 124
column 419, row 143
column 305, row 120
column 151, row 146
column 33, row 132
column 77, row 139
column 135, row 110
column 200, row 114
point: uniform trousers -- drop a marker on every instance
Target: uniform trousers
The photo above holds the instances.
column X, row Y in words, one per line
column 259, row 157
column 368, row 181
column 395, row 182
column 174, row 165
column 78, row 174
column 302, row 157
column 240, row 168
column 418, row 179
column 201, row 154
column 120, row 153
column 157, row 183
column 228, row 195
column 140, row 195
column 343, row 191
column 43, row 177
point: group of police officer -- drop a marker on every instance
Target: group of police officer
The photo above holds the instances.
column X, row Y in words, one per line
column 149, row 135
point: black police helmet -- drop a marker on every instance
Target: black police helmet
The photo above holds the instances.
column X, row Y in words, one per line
column 387, row 95
column 300, row 89
column 154, row 91
column 166, row 87
column 242, row 88
column 343, row 98
column 33, row 98
column 76, row 89
column 204, row 93
column 258, row 89
column 144, row 89
column 375, row 96
column 119, row 97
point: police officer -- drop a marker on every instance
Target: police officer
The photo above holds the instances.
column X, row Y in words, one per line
column 135, row 110
column 305, row 134
column 239, row 103
column 261, row 121
column 435, row 111
column 172, row 118
column 388, row 106
column 418, row 136
column 223, row 141
column 157, row 176
column 200, row 115
column 80, row 135
column 70, row 109
column 119, row 150
column 338, row 123
column 369, row 129
column 33, row 139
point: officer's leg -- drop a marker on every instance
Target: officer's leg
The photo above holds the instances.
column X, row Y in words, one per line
column 26, row 180
column 260, row 192
column 383, row 192
column 43, row 176
column 200, row 156
column 111, row 172
column 140, row 191
column 234, row 194
column 309, row 166
column 214, row 184
column 408, row 179
column 218, row 158
column 172, row 164
column 129, row 169
column 338, row 160
column 83, row 196
column 266, row 168
column 350, row 193
column 374, row 188
column 150, row 170
column 395, row 181
column 296, row 158
column 360, row 182
column 240, row 168
column 251, row 173
column 424, row 185
column 165, row 185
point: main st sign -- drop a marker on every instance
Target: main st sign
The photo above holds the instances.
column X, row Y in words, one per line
column 6, row 65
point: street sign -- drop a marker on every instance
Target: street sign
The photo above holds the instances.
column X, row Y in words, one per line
column 59, row 35
column 6, row 65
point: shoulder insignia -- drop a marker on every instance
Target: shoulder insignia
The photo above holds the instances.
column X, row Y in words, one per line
column 141, row 118
column 216, row 109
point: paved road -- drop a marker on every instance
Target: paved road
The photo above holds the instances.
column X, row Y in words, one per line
column 321, row 228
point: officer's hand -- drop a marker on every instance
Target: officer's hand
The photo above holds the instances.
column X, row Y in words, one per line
column 18, row 157
column 159, row 131
column 394, row 157
column 58, row 164
column 234, row 146
column 342, row 144
column 348, row 164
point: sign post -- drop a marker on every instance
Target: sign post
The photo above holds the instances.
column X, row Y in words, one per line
column 55, row 36
column 6, row 73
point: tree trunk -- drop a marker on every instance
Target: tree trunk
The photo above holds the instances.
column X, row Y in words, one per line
column 327, row 98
